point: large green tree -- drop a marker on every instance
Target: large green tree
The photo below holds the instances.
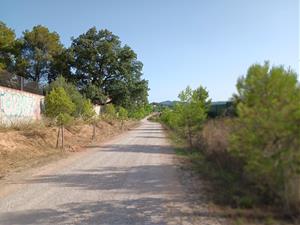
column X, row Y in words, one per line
column 8, row 47
column 39, row 47
column 99, row 60
column 267, row 135
column 61, row 66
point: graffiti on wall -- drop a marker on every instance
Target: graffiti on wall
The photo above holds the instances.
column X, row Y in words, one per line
column 16, row 105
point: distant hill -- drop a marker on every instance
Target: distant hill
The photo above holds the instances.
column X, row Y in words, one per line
column 216, row 108
column 172, row 103
column 168, row 103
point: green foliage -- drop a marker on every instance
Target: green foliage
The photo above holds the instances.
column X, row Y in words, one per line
column 64, row 119
column 110, row 111
column 83, row 107
column 39, row 46
column 59, row 106
column 189, row 114
column 61, row 64
column 170, row 118
column 88, row 112
column 267, row 136
column 94, row 93
column 7, row 37
column 8, row 46
column 148, row 109
column 105, row 68
column 72, row 92
column 122, row 113
column 139, row 112
column 97, row 62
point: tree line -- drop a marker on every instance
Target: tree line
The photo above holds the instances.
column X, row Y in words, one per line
column 263, row 143
column 96, row 63
column 95, row 69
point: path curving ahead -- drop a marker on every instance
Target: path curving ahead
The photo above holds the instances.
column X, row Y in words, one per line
column 132, row 179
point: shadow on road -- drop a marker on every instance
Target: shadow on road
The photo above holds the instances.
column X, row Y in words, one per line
column 152, row 149
column 140, row 193
column 137, row 180
column 140, row 181
column 150, row 211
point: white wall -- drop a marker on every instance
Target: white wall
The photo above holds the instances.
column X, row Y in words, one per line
column 16, row 105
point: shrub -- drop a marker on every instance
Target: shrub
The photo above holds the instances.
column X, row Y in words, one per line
column 87, row 111
column 213, row 140
column 59, row 106
column 72, row 92
column 188, row 115
column 169, row 118
column 266, row 137
column 137, row 112
column 58, row 102
column 122, row 115
column 224, row 169
column 110, row 111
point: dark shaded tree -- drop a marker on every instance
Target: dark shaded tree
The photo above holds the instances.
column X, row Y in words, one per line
column 100, row 62
column 39, row 47
column 61, row 66
column 9, row 48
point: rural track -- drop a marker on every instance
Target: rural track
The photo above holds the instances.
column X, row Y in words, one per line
column 131, row 179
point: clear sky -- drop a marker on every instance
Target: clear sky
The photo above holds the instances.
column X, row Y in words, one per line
column 180, row 42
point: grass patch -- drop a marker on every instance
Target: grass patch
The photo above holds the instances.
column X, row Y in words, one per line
column 237, row 199
column 229, row 189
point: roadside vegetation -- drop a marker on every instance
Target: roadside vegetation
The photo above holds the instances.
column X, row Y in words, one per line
column 97, row 67
column 97, row 70
column 253, row 158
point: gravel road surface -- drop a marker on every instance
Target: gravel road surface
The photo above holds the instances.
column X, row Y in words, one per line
column 132, row 179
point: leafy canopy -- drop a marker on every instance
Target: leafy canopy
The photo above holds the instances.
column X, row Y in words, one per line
column 72, row 92
column 88, row 112
column 122, row 113
column 103, row 67
column 59, row 106
column 189, row 114
column 7, row 46
column 267, row 136
column 39, row 46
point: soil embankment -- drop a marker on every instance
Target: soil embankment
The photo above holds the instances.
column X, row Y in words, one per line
column 35, row 145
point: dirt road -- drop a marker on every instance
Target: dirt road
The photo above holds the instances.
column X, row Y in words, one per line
column 132, row 179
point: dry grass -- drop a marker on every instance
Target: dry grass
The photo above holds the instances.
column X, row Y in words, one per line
column 231, row 195
column 27, row 144
column 214, row 138
column 213, row 141
column 23, row 125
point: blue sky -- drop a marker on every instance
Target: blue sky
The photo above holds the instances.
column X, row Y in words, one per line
column 180, row 42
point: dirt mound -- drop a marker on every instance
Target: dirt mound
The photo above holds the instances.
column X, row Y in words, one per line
column 34, row 146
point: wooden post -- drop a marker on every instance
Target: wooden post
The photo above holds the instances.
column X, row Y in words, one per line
column 94, row 131
column 122, row 124
column 62, row 136
column 58, row 133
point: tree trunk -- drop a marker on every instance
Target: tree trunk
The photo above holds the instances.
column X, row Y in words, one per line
column 62, row 136
column 94, row 131
column 58, row 133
